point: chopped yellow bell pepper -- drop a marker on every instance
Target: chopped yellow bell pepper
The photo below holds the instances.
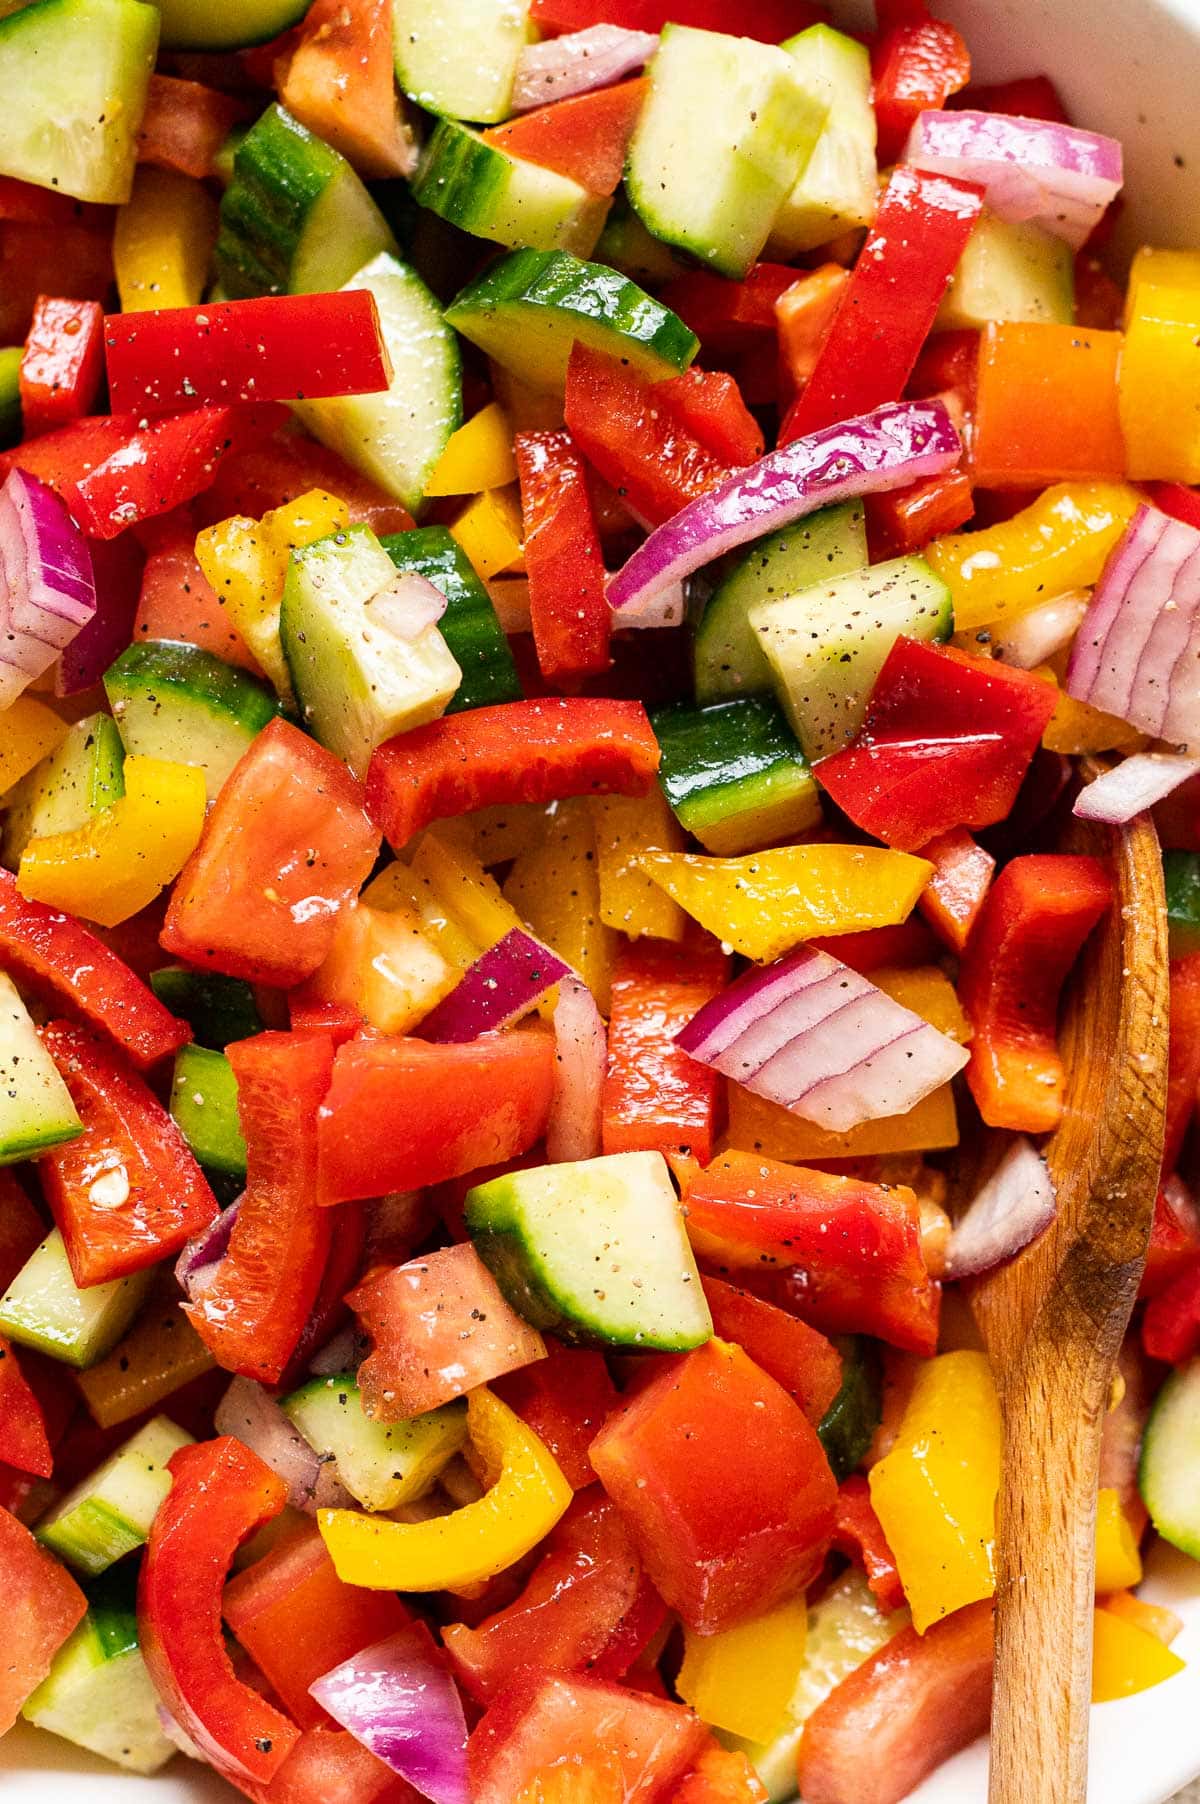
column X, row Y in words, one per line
column 489, row 531
column 1159, row 384
column 935, row 1492
column 1125, row 1658
column 119, row 861
column 1156, row 1619
column 498, row 834
column 1058, row 542
column 555, row 889
column 163, row 241
column 161, row 1352
column 470, row 894
column 742, row 1680
column 525, row 1496
column 765, row 902
column 625, row 828
column 1153, row 268
column 478, row 456
column 29, row 732
column 1118, row 1562
column 399, row 887
column 1077, row 728
column 382, row 963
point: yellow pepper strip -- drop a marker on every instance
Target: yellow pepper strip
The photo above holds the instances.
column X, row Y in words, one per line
column 1058, row 542
column 119, row 861
column 1077, row 728
column 765, row 902
column 478, row 456
column 382, row 964
column 472, row 897
column 398, row 887
column 525, row 1497
column 29, row 732
column 1158, row 388
column 489, row 531
column 161, row 1352
column 1152, row 268
column 1125, row 1659
column 742, row 1680
column 163, row 241
column 935, row 1492
column 555, row 888
column 498, row 834
column 625, row 828
column 1118, row 1562
column 1156, row 1619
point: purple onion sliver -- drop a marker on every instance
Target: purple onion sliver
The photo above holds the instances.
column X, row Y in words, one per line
column 407, row 605
column 581, row 1059
column 205, row 1250
column 118, row 565
column 253, row 1417
column 1133, row 786
column 399, row 1700
column 1014, row 1205
column 577, row 63
column 47, row 589
column 501, row 986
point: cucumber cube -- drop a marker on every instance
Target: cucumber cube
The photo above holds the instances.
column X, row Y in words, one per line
column 109, row 1513
column 382, row 1464
column 44, row 1308
column 36, row 1111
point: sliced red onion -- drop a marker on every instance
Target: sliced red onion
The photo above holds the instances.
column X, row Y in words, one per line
column 197, row 1264
column 178, row 1737
column 581, row 1058
column 885, row 449
column 344, row 1353
column 47, row 588
column 664, row 608
column 578, row 62
column 501, row 986
column 252, row 1416
column 1133, row 786
column 823, row 1041
column 406, row 606
column 399, row 1700
column 117, row 566
column 1137, row 653
column 1010, row 1210
column 1051, row 175
column 1038, row 636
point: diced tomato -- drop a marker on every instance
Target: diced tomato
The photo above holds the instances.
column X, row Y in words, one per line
column 327, row 1766
column 948, row 365
column 585, row 138
column 1027, row 97
column 720, row 1776
column 339, row 81
column 954, row 895
column 859, row 1533
column 21, row 1228
column 178, row 602
column 265, row 474
column 709, row 405
column 1173, row 1246
column 805, row 1363
column 655, row 1098
column 42, row 1604
column 916, row 63
column 24, row 1442
column 1171, row 1324
column 1183, row 1060
column 804, row 314
column 68, row 257
column 730, row 316
column 568, row 609
column 184, row 125
column 564, row 1398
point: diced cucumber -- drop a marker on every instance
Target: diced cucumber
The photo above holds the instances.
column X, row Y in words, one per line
column 177, row 702
column 36, row 1111
column 725, row 135
column 296, row 218
column 109, row 1513
column 204, row 1098
column 357, row 680
column 482, row 189
column 12, row 425
column 727, row 658
column 528, row 309
column 595, row 1251
column 469, row 626
column 1181, row 878
column 226, row 24
column 459, row 57
column 79, row 778
column 625, row 244
column 1169, row 1474
column 98, row 1693
column 397, row 437
column 827, row 645
column 848, row 1425
column 219, row 1009
column 44, row 1308
column 75, row 75
column 734, row 773
column 837, row 190
column 1010, row 272
column 382, row 1464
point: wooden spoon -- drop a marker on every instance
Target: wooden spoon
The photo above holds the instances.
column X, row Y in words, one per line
column 1053, row 1320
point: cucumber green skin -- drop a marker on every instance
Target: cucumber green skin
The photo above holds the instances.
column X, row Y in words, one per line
column 36, row 1111
column 459, row 57
column 382, row 1464
column 12, row 428
column 848, row 1425
column 1181, row 877
column 729, row 760
column 111, row 1511
column 226, row 24
column 218, row 1009
column 81, row 777
column 1169, row 1468
column 169, row 698
column 534, row 304
column 626, row 245
column 93, row 1537
column 484, row 190
column 470, row 625
column 204, row 1106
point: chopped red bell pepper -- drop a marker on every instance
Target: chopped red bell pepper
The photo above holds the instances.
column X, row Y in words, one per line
column 339, row 80
column 730, row 316
column 854, row 1246
column 127, row 1193
column 220, row 1494
column 585, row 138
column 804, row 316
column 178, row 602
column 767, row 20
column 21, row 1228
column 915, row 1702
column 25, row 203
column 285, row 846
column 1173, row 1247
column 564, row 1398
column 858, row 1532
column 709, row 405
column 327, row 1766
column 252, row 1314
column 946, row 743
column 330, row 1310
column 1176, row 499
column 905, row 520
column 890, row 301
column 954, row 895
column 1027, row 97
column 535, row 751
column 655, row 1098
column 1046, row 405
column 42, row 1604
column 570, row 616
column 62, row 364
column 59, row 955
column 720, row 1776
column 24, row 1442
column 1037, row 915
column 804, row 1362
column 297, row 1619
column 401, row 1113
column 1183, row 1059
column 908, row 943
column 1099, row 302
column 71, row 257
column 916, row 62
column 1171, row 1324
column 619, row 423
column 948, row 366
column 269, row 472
column 722, row 1538
column 184, row 125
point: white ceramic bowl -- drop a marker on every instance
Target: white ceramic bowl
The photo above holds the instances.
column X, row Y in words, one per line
column 1132, row 68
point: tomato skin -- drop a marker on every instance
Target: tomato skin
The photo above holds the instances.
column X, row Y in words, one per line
column 24, row 1442
column 339, row 81
column 42, row 1604
column 185, row 125
column 585, row 137
column 327, row 1766
column 564, row 1398
column 808, row 1366
column 178, row 602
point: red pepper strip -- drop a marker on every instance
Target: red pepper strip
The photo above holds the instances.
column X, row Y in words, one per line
column 655, row 1098
column 859, row 1533
column 720, row 1776
column 340, row 82
column 948, row 365
column 220, row 1494
column 128, row 1192
column 67, row 258
column 915, row 1702
column 1028, row 97
column 42, row 1604
column 21, row 1228
column 767, row 20
column 1171, row 1324
column 62, row 364
column 1177, row 500
column 725, row 315
column 534, row 751
column 954, row 895
column 908, row 943
column 268, row 473
column 890, row 301
column 57, row 954
column 564, row 1398
column 918, row 63
column 1172, row 1250
column 804, row 316
column 23, row 203
column 1036, row 917
column 855, row 1246
column 330, row 1310
column 946, row 743
column 571, row 619
column 709, row 405
column 401, row 1114
column 906, row 520
column 282, row 347
column 1183, row 1060
column 184, row 125
column 805, row 1363
column 24, row 1442
column 585, row 138
column 619, row 423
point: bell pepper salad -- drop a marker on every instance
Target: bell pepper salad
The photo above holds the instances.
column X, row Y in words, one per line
column 564, row 573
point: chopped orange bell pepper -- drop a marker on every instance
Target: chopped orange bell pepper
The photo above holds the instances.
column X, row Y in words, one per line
column 1046, row 409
